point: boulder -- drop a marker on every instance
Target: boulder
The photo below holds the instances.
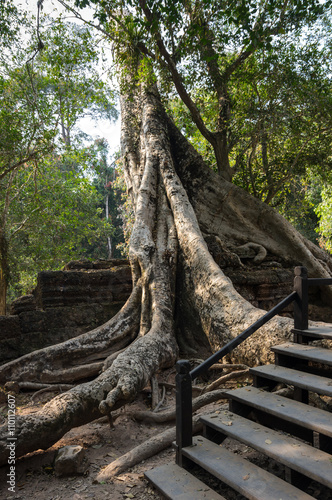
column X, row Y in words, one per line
column 70, row 461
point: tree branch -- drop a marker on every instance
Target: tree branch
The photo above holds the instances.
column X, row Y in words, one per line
column 31, row 156
column 177, row 79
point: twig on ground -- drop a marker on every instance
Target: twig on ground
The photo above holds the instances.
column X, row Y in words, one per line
column 221, row 366
column 224, row 378
column 195, row 388
column 169, row 415
column 143, row 451
column 161, row 401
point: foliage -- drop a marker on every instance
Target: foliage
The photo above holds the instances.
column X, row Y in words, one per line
column 248, row 83
column 324, row 212
column 207, row 42
column 10, row 19
column 286, row 119
column 27, row 128
column 105, row 183
column 72, row 85
column 49, row 209
column 53, row 218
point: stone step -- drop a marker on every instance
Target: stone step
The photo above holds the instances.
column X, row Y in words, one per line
column 306, row 381
column 241, row 475
column 314, row 332
column 176, row 483
column 304, row 352
column 291, row 452
column 289, row 410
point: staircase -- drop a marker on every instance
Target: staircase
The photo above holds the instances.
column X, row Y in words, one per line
column 295, row 435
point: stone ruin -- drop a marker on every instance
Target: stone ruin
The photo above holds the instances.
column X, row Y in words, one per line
column 84, row 295
column 64, row 304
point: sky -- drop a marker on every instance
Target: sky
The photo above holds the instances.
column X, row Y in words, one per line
column 102, row 128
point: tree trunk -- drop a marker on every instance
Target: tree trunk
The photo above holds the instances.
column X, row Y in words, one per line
column 4, row 272
column 175, row 281
column 3, row 294
column 107, row 215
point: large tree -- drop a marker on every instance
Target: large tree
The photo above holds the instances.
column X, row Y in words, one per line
column 180, row 295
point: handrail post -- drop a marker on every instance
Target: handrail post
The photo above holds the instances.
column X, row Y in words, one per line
column 183, row 408
column 301, row 302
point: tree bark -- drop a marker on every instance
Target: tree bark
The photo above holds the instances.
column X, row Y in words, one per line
column 176, row 198
column 4, row 272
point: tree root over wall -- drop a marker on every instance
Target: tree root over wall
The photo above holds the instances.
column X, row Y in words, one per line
column 176, row 199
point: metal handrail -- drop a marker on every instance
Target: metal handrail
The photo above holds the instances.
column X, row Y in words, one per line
column 185, row 375
column 320, row 281
column 226, row 349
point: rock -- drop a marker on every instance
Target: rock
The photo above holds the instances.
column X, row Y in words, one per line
column 79, row 265
column 65, row 304
column 23, row 304
column 9, row 327
column 69, row 461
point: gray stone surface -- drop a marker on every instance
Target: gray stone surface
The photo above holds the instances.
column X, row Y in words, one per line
column 64, row 304
column 69, row 461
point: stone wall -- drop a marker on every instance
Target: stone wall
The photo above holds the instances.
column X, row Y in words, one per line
column 63, row 305
column 87, row 294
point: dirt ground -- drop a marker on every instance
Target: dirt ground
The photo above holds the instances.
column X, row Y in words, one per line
column 36, row 480
column 35, row 477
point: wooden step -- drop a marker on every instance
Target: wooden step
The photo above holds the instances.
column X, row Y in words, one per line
column 315, row 332
column 246, row 478
column 287, row 409
column 176, row 483
column 295, row 454
column 304, row 352
column 306, row 381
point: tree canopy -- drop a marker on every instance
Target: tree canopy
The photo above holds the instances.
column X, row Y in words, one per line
column 49, row 209
column 209, row 42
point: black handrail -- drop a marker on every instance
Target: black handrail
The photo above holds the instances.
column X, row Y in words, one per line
column 185, row 376
column 226, row 349
column 319, row 281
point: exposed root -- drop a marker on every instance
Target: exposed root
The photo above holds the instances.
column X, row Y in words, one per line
column 72, row 374
column 24, row 386
column 51, row 388
column 159, row 405
column 111, row 358
column 168, row 385
column 169, row 415
column 67, row 361
column 226, row 366
column 225, row 378
column 154, row 391
column 141, row 452
column 261, row 252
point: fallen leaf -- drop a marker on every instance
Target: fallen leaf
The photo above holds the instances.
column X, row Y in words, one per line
column 229, row 422
column 245, row 478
